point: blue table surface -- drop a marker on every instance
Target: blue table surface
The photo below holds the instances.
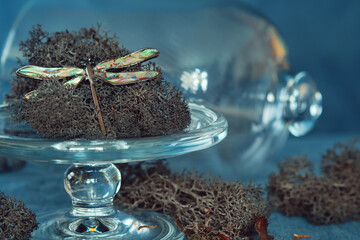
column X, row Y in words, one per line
column 40, row 186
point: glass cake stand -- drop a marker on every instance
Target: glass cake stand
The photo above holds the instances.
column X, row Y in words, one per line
column 93, row 180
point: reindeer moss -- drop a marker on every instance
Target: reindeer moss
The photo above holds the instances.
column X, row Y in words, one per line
column 333, row 197
column 147, row 108
column 201, row 206
column 16, row 221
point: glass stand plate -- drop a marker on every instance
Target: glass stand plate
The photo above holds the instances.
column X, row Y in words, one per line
column 206, row 129
column 93, row 180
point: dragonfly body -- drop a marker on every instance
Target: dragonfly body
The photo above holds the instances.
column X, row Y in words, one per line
column 78, row 74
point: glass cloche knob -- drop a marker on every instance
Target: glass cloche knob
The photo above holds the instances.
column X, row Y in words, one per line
column 302, row 104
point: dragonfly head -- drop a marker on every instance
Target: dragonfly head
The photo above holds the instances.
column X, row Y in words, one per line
column 89, row 61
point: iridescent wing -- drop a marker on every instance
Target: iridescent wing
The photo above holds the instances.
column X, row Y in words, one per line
column 73, row 83
column 42, row 73
column 128, row 60
column 31, row 94
column 123, row 78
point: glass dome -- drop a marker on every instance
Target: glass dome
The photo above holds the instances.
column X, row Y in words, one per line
column 221, row 53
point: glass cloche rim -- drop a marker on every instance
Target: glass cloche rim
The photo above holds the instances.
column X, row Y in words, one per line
column 207, row 128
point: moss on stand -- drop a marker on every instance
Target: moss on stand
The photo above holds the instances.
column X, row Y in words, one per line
column 141, row 109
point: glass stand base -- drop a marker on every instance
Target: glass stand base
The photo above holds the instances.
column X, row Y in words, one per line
column 143, row 225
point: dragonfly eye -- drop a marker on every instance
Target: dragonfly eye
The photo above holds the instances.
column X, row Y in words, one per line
column 90, row 62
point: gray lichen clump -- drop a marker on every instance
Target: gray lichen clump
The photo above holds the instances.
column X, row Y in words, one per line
column 333, row 197
column 203, row 207
column 147, row 108
column 16, row 221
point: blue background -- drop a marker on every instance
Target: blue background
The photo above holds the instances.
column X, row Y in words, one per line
column 323, row 37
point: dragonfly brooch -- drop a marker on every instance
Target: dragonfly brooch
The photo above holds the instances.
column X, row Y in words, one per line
column 100, row 70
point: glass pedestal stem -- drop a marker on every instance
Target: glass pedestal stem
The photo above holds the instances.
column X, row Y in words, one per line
column 92, row 188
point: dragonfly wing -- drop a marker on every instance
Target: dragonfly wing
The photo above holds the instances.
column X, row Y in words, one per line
column 42, row 73
column 129, row 60
column 123, row 78
column 73, row 83
column 31, row 94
